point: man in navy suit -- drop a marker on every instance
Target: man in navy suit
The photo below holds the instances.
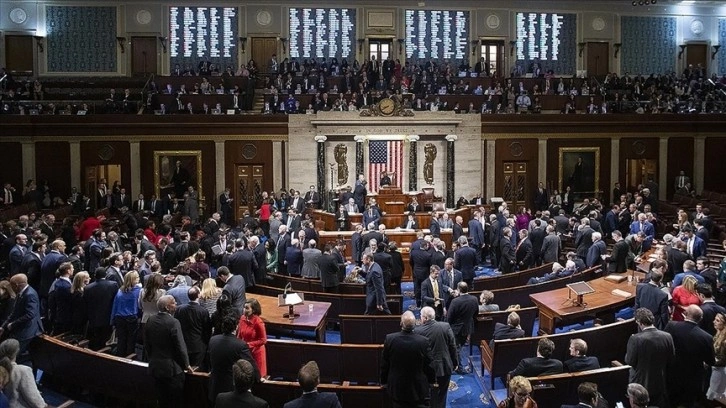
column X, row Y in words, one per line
column 596, row 251
column 642, row 224
column 580, row 361
column 98, row 298
column 420, row 260
column 17, row 253
column 244, row 378
column 443, row 348
column 432, row 292
column 24, row 322
column 461, row 315
column 371, row 217
column 434, row 227
column 650, row 295
column 476, row 235
column 375, row 289
column 540, row 365
column 587, row 395
column 406, row 365
column 695, row 246
column 309, row 377
column 450, row 278
column 465, row 260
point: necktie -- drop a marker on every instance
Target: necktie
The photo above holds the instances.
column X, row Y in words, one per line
column 451, row 278
column 153, row 205
column 641, row 226
column 690, row 246
column 141, row 205
column 436, row 292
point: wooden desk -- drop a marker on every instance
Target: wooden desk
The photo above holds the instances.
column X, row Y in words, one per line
column 272, row 315
column 555, row 308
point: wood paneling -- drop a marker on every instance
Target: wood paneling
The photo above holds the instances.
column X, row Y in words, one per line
column 12, row 164
column 598, row 58
column 91, row 153
column 57, row 174
column 553, row 157
column 639, row 148
column 714, row 179
column 208, row 167
column 517, row 150
column 680, row 157
column 143, row 55
column 247, row 152
column 19, row 53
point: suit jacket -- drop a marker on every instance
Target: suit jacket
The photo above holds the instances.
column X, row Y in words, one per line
column 243, row 263
column 24, row 321
column 465, row 261
column 98, row 297
column 508, row 260
column 694, row 348
column 443, row 346
column 224, row 351
column 48, row 268
column 16, row 258
column 536, row 366
column 31, row 266
column 328, row 266
column 235, row 399
column 375, row 290
column 476, row 233
column 618, row 257
column 165, row 347
column 551, row 248
column 503, row 331
column 593, row 254
column 523, row 254
column 710, row 309
column 583, row 241
column 654, row 299
column 427, row 292
column 235, row 289
column 649, row 353
column 449, row 283
column 461, row 314
column 457, row 231
column 581, row 363
column 406, row 367
column 420, row 261
column 435, row 228
column 196, row 326
column 371, row 216
column 315, row 400
column 294, row 258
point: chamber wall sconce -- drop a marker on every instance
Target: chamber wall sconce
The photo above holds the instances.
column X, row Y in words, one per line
column 683, row 49
column 474, row 44
column 512, row 46
column 39, row 42
column 162, row 41
column 242, row 43
column 121, row 41
column 361, row 41
column 400, row 45
column 715, row 49
column 581, row 48
column 617, row 48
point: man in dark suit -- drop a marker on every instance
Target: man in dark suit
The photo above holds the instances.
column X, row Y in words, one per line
column 309, row 377
column 432, row 292
column 243, row 263
column 587, row 395
column 443, row 350
column 167, row 352
column 243, row 374
column 406, row 365
column 580, row 361
column 461, row 315
column 583, row 238
column 695, row 246
column 329, row 270
column 465, row 260
column 694, row 351
column 510, row 330
column 420, row 260
column 371, row 217
column 121, row 199
column 297, row 203
column 32, row 264
column 434, row 227
column 450, row 278
column 523, row 253
column 540, row 365
column 225, row 207
column 375, row 288
column 49, row 266
column 457, row 229
column 225, row 350
column 617, row 261
column 234, row 287
column 98, row 298
column 508, row 256
column 196, row 326
column 140, row 205
column 537, row 237
column 596, row 251
column 476, row 235
column 24, row 323
column 648, row 353
column 312, row 198
column 709, row 307
column 410, row 222
column 17, row 253
column 650, row 296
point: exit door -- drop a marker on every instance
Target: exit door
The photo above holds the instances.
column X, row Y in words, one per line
column 381, row 49
column 143, row 56
column 262, row 50
column 696, row 56
column 638, row 171
column 598, row 59
column 110, row 173
column 515, row 184
column 248, row 190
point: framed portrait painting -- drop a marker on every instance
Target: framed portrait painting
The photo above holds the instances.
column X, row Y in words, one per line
column 176, row 170
column 579, row 168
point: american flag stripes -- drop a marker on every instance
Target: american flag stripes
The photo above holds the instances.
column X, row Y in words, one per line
column 384, row 155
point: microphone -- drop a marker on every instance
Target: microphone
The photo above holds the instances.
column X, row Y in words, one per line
column 287, row 287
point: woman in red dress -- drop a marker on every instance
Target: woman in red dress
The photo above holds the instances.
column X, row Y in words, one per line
column 251, row 329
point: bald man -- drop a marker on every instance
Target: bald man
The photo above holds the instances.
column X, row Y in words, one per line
column 24, row 322
column 406, row 367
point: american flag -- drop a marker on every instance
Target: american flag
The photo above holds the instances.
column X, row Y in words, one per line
column 384, row 155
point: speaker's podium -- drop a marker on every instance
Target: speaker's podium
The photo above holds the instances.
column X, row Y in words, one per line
column 290, row 300
column 579, row 290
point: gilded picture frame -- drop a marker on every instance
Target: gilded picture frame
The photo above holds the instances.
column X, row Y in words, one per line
column 579, row 167
column 164, row 167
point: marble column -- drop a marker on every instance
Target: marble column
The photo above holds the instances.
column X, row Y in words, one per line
column 359, row 165
column 413, row 163
column 662, row 168
column 75, row 147
column 219, row 170
column 277, row 152
column 699, row 157
column 491, row 166
column 135, row 151
column 322, row 191
column 542, row 161
column 614, row 167
column 27, row 153
column 450, row 171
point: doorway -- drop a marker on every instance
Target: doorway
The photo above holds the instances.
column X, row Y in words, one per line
column 492, row 55
column 696, row 54
column 95, row 174
column 19, row 54
column 249, row 179
column 638, row 171
column 262, row 50
column 515, row 189
column 143, row 56
column 598, row 59
column 380, row 48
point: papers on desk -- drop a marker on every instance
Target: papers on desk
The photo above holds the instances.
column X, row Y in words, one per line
column 621, row 293
column 616, row 278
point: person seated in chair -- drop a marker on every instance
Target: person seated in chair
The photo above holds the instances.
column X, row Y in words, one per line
column 410, row 222
column 414, row 206
column 588, row 396
column 558, row 271
column 580, row 361
column 540, row 365
column 385, row 180
column 511, row 330
column 309, row 377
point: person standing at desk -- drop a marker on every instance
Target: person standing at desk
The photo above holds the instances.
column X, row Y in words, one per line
column 385, row 180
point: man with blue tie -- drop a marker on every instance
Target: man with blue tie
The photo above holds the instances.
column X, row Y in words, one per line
column 646, row 227
column 24, row 323
column 695, row 246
